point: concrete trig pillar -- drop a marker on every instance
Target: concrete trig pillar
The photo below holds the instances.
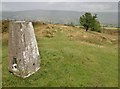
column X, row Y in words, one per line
column 23, row 53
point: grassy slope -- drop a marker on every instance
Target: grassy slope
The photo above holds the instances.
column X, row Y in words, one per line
column 68, row 62
column 0, row 65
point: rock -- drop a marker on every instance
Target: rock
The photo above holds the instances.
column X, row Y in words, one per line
column 23, row 53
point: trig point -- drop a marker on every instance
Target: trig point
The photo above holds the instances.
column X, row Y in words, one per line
column 23, row 53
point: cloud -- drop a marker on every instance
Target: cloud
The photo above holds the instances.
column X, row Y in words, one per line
column 60, row 0
column 101, row 7
column 72, row 6
column 0, row 7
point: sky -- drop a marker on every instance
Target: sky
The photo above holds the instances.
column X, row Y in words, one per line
column 60, row 0
column 72, row 5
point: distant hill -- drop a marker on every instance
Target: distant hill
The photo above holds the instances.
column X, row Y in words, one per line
column 64, row 17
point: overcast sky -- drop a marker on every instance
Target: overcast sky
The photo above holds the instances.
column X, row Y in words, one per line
column 61, row 5
column 60, row 0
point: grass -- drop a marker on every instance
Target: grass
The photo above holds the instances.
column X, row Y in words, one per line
column 0, row 63
column 0, row 75
column 68, row 62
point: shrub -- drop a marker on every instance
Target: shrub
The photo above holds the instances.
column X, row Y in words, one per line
column 90, row 22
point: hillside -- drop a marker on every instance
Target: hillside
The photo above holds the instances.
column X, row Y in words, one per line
column 70, row 57
column 59, row 16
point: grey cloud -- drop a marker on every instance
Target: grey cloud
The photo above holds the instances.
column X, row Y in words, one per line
column 73, row 6
column 61, row 1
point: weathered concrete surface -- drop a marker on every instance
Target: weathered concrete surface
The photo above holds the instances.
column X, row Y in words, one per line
column 23, row 54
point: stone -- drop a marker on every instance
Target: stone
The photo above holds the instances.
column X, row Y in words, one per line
column 23, row 53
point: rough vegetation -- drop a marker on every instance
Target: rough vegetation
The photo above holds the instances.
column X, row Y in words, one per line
column 70, row 56
column 5, row 25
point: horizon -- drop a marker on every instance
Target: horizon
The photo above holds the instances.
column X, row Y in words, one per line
column 59, row 10
column 52, row 10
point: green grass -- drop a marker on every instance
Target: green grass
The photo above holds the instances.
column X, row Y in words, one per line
column 66, row 62
column 0, row 75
